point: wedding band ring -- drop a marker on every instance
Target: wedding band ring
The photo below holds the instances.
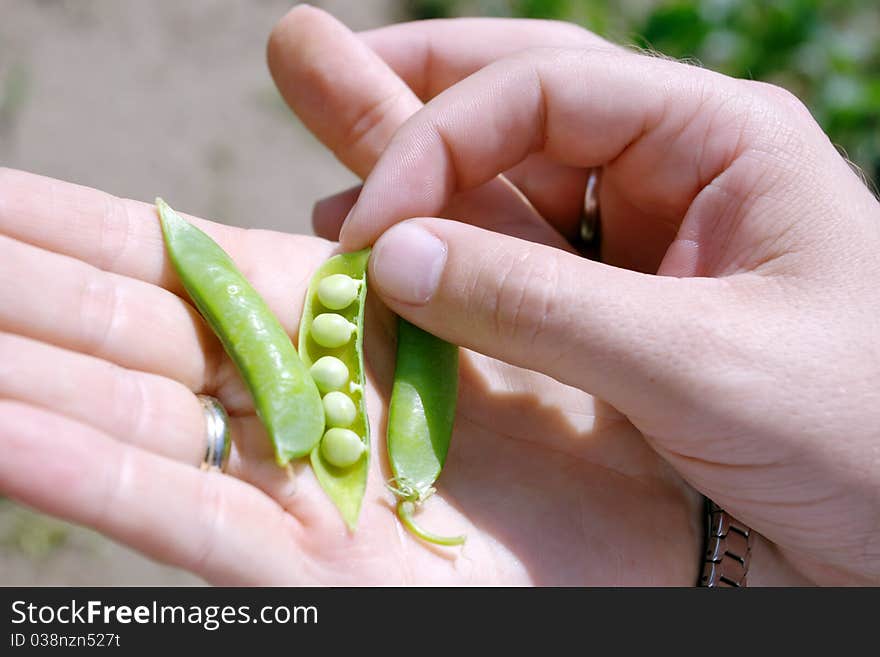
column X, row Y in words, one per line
column 589, row 228
column 216, row 435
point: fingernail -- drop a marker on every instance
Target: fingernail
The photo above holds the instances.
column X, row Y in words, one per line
column 407, row 263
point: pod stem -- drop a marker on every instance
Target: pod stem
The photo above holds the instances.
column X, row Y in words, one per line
column 405, row 509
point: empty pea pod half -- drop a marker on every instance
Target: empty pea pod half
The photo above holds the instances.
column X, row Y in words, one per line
column 331, row 346
column 420, row 421
column 285, row 395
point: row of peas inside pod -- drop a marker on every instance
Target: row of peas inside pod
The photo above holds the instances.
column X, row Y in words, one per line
column 340, row 446
column 423, row 400
column 331, row 346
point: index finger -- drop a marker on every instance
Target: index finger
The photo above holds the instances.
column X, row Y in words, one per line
column 678, row 126
column 354, row 103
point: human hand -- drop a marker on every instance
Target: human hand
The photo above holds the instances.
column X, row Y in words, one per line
column 749, row 364
column 101, row 354
column 566, row 470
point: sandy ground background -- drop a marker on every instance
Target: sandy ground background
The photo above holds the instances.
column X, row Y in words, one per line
column 140, row 99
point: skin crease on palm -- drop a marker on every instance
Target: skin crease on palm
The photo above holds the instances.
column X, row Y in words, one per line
column 551, row 485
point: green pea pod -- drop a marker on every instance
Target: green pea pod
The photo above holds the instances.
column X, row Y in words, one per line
column 331, row 345
column 420, row 419
column 284, row 394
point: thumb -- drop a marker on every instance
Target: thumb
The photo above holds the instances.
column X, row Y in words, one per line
column 637, row 341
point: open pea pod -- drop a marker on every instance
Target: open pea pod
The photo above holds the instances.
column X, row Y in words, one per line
column 331, row 345
column 285, row 396
column 420, row 420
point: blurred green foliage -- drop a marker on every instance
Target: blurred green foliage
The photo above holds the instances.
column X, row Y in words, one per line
column 826, row 52
column 29, row 533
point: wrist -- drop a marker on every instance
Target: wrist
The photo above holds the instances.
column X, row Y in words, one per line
column 769, row 567
column 782, row 567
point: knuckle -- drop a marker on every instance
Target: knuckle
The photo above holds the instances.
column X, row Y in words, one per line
column 212, row 511
column 119, row 481
column 115, row 232
column 778, row 95
column 522, row 298
column 130, row 405
column 774, row 128
column 99, row 308
column 784, row 116
column 369, row 120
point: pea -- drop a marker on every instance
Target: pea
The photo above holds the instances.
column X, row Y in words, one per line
column 339, row 409
column 337, row 291
column 332, row 330
column 420, row 420
column 329, row 373
column 323, row 335
column 285, row 396
column 342, row 447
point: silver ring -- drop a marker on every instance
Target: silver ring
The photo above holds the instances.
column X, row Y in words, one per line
column 590, row 216
column 216, row 434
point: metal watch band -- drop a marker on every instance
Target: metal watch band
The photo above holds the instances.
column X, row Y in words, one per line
column 728, row 549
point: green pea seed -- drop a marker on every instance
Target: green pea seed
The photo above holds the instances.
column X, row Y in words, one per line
column 342, row 447
column 344, row 486
column 339, row 409
column 329, row 373
column 331, row 330
column 337, row 291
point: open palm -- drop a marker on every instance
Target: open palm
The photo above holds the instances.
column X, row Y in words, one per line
column 102, row 353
